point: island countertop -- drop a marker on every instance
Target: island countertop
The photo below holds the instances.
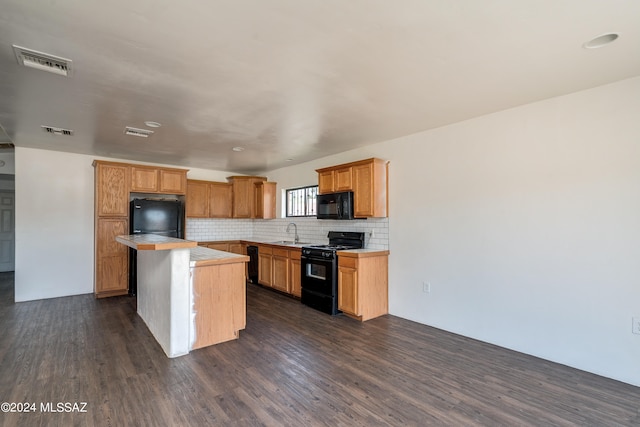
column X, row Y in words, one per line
column 154, row 242
column 201, row 256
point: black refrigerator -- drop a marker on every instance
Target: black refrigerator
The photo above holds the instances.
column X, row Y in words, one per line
column 153, row 216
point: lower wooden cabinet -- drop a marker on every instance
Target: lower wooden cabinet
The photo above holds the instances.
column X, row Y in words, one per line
column 238, row 248
column 363, row 284
column 265, row 259
column 295, row 274
column 112, row 258
column 280, row 269
column 222, row 246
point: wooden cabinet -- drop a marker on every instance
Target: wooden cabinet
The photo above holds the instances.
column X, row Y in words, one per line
column 325, row 181
column 207, row 199
column 173, row 181
column 149, row 179
column 295, row 275
column 111, row 189
column 280, row 269
column 265, row 258
column 244, row 197
column 219, row 246
column 197, row 202
column 144, row 179
column 238, row 248
column 114, row 183
column 219, row 303
column 220, row 200
column 368, row 179
column 253, row 197
column 335, row 180
column 112, row 258
column 363, row 284
column 370, row 189
column 342, row 179
column 233, row 246
column 265, row 199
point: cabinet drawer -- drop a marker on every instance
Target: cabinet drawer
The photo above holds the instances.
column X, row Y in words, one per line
column 281, row 252
column 265, row 250
column 347, row 262
column 296, row 254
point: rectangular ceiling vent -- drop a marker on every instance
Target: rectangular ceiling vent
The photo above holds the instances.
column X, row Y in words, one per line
column 142, row 133
column 42, row 61
column 57, row 131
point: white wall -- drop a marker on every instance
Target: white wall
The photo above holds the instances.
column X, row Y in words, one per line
column 527, row 225
column 54, row 224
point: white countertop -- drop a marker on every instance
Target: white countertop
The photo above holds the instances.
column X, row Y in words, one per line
column 201, row 256
column 154, row 242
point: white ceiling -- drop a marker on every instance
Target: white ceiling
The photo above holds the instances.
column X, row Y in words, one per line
column 291, row 79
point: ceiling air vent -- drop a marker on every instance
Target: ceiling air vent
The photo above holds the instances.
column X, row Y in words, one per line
column 42, row 61
column 57, row 131
column 143, row 133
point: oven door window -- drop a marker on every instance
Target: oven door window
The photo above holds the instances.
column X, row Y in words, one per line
column 316, row 271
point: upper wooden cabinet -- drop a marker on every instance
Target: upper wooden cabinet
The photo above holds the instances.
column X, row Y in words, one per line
column 111, row 189
column 334, row 180
column 368, row 179
column 220, row 200
column 149, row 179
column 197, row 202
column 173, row 181
column 206, row 199
column 265, row 199
column 244, row 195
column 253, row 197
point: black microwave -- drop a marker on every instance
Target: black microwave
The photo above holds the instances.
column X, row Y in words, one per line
column 335, row 205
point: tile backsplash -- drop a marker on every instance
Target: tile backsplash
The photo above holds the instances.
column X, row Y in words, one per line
column 309, row 229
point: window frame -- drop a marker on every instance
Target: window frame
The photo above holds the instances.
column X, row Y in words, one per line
column 306, row 209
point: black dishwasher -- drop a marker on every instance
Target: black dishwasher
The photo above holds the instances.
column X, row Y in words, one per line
column 252, row 268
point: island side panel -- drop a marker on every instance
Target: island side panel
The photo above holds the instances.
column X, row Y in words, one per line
column 219, row 305
column 163, row 297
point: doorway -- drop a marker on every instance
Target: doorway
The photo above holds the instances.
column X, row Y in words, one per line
column 7, row 230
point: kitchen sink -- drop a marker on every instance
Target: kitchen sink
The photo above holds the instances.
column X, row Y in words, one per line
column 288, row 242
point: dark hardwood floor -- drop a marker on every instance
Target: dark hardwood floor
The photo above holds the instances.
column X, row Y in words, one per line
column 292, row 366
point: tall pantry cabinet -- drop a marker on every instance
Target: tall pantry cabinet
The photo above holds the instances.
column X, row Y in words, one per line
column 112, row 183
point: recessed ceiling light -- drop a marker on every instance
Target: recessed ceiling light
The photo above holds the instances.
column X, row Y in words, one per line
column 238, row 148
column 152, row 124
column 600, row 41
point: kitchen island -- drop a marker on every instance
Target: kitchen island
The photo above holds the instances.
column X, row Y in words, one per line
column 189, row 297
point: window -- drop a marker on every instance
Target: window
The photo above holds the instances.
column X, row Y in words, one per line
column 302, row 201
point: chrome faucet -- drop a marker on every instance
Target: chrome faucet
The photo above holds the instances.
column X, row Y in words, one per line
column 296, row 239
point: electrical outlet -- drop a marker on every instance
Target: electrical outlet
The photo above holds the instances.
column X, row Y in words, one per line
column 635, row 328
column 426, row 287
column 371, row 234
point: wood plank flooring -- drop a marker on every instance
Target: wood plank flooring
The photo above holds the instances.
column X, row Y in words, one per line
column 292, row 366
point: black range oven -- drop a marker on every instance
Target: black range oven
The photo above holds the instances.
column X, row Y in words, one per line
column 320, row 270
